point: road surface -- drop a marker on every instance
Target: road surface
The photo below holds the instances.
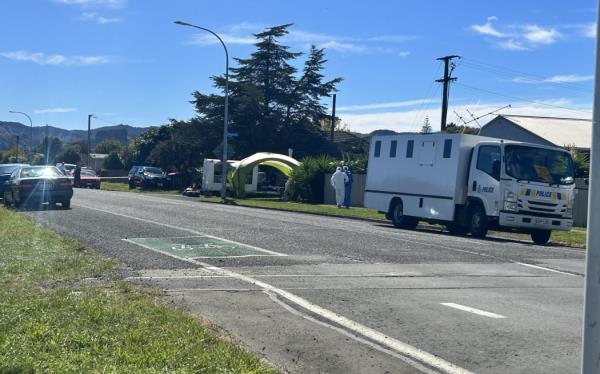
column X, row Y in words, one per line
column 313, row 294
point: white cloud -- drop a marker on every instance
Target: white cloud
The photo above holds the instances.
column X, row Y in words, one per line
column 412, row 120
column 589, row 30
column 55, row 59
column 539, row 35
column 95, row 17
column 115, row 4
column 513, row 45
column 54, row 110
column 343, row 47
column 488, row 29
column 566, row 78
column 396, row 104
column 404, row 54
column 208, row 39
column 517, row 37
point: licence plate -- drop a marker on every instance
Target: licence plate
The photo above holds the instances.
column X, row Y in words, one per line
column 541, row 221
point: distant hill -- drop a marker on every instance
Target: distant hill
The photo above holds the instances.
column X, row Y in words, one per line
column 10, row 130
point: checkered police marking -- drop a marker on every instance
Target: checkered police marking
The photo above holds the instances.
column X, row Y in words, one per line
column 203, row 246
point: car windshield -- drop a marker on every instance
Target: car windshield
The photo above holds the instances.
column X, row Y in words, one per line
column 7, row 169
column 153, row 170
column 539, row 164
column 41, row 172
column 88, row 173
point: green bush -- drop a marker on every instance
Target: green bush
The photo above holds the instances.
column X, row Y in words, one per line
column 307, row 180
column 113, row 162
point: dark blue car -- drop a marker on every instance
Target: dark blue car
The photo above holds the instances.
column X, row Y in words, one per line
column 5, row 172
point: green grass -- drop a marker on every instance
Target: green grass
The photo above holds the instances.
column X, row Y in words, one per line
column 52, row 320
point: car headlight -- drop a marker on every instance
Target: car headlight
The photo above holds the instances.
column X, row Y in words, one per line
column 510, row 196
column 510, row 206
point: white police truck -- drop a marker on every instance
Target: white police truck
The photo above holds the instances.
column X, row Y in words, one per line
column 471, row 184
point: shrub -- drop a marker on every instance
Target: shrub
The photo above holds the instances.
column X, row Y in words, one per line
column 113, row 162
column 306, row 181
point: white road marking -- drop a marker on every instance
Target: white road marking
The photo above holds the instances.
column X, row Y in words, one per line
column 359, row 329
column 200, row 235
column 413, row 363
column 544, row 268
column 473, row 310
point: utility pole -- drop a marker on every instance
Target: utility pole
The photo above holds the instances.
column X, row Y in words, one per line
column 448, row 68
column 89, row 150
column 333, row 118
column 47, row 145
column 591, row 303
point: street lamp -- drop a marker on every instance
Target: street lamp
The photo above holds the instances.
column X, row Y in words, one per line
column 226, row 119
column 31, row 134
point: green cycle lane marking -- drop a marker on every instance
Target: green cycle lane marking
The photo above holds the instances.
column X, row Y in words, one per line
column 201, row 247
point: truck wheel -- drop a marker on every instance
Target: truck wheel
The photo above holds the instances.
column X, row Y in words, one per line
column 479, row 223
column 540, row 237
column 400, row 220
column 456, row 229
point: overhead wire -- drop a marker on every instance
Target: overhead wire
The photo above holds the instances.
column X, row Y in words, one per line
column 522, row 99
column 427, row 101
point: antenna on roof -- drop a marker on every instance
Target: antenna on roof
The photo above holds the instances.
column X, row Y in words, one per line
column 483, row 115
column 460, row 118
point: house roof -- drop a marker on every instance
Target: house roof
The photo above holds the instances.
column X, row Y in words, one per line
column 558, row 131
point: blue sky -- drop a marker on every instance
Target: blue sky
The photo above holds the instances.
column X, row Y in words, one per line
column 126, row 62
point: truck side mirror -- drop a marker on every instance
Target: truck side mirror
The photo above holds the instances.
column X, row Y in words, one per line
column 496, row 169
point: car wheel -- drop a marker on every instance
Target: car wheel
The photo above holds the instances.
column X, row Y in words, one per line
column 66, row 204
column 479, row 222
column 540, row 237
column 131, row 185
column 400, row 220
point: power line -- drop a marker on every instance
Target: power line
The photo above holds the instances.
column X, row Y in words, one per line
column 514, row 74
column 522, row 99
column 427, row 99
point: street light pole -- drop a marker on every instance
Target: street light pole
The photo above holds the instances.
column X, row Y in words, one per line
column 30, row 135
column 89, row 139
column 226, row 116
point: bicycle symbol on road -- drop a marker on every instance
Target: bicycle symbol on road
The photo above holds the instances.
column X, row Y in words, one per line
column 188, row 247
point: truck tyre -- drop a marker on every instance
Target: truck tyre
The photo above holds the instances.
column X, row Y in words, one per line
column 400, row 220
column 540, row 237
column 479, row 222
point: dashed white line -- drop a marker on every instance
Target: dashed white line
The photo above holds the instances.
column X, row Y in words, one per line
column 473, row 310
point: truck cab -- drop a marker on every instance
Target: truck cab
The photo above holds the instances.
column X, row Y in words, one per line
column 525, row 187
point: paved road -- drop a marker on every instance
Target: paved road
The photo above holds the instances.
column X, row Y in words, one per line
column 315, row 294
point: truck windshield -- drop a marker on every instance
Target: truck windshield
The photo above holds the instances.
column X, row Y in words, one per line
column 539, row 164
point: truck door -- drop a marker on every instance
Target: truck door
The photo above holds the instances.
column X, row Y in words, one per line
column 484, row 177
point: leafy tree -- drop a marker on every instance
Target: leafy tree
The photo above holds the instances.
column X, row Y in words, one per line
column 51, row 146
column 462, row 129
column 113, row 162
column 81, row 146
column 267, row 101
column 581, row 162
column 108, row 146
column 306, row 181
column 70, row 155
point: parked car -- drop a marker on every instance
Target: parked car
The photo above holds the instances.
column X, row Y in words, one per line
column 147, row 177
column 5, row 172
column 36, row 185
column 89, row 179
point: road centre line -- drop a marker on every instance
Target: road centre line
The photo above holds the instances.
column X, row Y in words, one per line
column 473, row 310
column 357, row 328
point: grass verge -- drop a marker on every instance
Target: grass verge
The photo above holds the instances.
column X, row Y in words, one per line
column 53, row 320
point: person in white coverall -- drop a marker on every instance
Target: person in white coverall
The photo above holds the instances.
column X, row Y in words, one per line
column 338, row 182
